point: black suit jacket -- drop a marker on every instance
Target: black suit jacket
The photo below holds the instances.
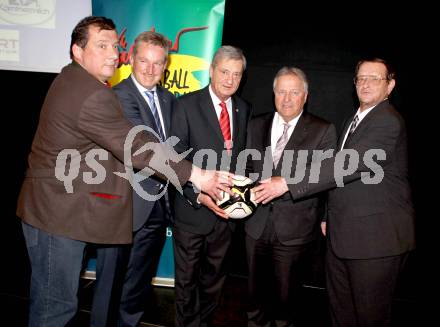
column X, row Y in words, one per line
column 294, row 221
column 137, row 111
column 370, row 220
column 195, row 123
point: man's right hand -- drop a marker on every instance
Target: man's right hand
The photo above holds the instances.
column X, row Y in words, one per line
column 211, row 205
column 211, row 182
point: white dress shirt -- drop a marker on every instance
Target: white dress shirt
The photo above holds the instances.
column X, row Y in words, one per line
column 361, row 115
column 142, row 90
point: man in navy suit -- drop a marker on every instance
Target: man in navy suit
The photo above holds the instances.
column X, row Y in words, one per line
column 146, row 103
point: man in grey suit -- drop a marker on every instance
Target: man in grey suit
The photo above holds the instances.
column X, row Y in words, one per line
column 73, row 194
column 206, row 121
column 370, row 218
column 280, row 233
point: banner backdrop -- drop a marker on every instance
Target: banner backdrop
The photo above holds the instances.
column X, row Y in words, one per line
column 194, row 28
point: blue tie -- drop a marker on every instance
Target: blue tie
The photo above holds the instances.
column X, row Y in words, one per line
column 150, row 96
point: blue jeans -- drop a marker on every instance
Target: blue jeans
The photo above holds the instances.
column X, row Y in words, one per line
column 56, row 264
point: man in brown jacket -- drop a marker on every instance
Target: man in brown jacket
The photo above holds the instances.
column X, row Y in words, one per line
column 73, row 193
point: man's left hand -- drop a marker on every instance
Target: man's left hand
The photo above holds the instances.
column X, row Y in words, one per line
column 270, row 189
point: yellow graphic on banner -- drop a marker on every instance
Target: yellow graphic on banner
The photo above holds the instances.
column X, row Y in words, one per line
column 178, row 77
column 120, row 74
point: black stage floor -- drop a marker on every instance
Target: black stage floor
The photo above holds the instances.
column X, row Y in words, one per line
column 231, row 313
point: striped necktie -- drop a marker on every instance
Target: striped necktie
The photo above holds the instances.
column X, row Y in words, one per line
column 281, row 144
column 225, row 126
column 154, row 111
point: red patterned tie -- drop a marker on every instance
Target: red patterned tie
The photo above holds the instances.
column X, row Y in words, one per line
column 224, row 126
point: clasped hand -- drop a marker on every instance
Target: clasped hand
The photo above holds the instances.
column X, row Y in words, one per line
column 270, row 189
column 212, row 185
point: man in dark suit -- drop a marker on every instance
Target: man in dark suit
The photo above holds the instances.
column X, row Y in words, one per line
column 72, row 195
column 370, row 219
column 212, row 121
column 280, row 233
column 144, row 102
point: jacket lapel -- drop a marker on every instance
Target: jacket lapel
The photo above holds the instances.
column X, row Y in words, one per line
column 144, row 108
column 165, row 108
column 363, row 124
column 347, row 124
column 207, row 110
column 299, row 133
column 296, row 139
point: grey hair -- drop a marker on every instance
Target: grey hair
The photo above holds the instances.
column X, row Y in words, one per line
column 229, row 52
column 292, row 71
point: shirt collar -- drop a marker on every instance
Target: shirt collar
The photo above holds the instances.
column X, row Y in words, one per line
column 279, row 121
column 216, row 100
column 140, row 87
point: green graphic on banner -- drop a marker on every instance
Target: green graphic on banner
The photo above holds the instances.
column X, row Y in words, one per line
column 194, row 28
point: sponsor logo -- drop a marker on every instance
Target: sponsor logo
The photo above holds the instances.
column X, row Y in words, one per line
column 9, row 45
column 40, row 13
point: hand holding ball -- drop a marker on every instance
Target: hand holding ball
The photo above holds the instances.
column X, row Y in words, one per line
column 242, row 203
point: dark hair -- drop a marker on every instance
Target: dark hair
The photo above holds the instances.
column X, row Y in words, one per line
column 154, row 38
column 390, row 74
column 80, row 34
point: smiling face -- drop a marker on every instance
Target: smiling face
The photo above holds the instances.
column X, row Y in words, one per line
column 372, row 86
column 226, row 77
column 148, row 64
column 290, row 96
column 100, row 55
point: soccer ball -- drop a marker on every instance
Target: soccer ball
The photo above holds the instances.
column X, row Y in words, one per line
column 242, row 203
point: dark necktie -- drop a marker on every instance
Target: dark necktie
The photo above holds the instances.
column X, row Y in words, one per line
column 225, row 126
column 281, row 144
column 353, row 125
column 154, row 111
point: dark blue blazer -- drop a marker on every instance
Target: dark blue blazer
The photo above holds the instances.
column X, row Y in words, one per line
column 137, row 111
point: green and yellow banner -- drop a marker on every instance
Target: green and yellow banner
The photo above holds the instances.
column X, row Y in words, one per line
column 194, row 28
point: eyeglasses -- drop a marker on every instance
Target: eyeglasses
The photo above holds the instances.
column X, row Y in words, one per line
column 373, row 80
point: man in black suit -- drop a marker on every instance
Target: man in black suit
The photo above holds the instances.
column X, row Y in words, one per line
column 145, row 103
column 212, row 121
column 281, row 232
column 370, row 219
